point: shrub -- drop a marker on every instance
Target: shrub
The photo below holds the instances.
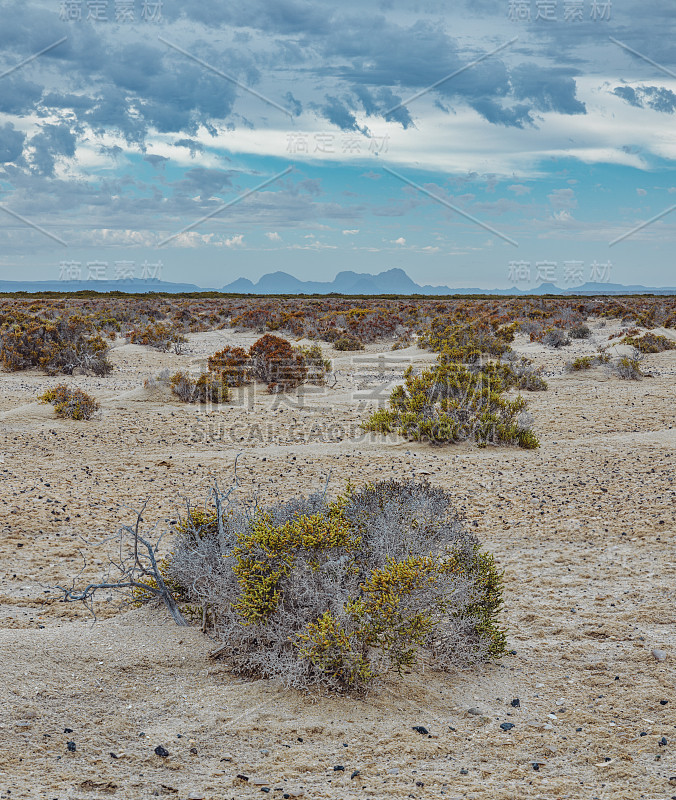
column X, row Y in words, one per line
column 347, row 343
column 555, row 338
column 70, row 403
column 160, row 336
column 317, row 366
column 516, row 373
column 57, row 346
column 579, row 332
column 586, row 362
column 207, row 388
column 451, row 403
column 232, row 363
column 334, row 594
column 629, row 369
column 650, row 343
column 275, row 362
column 159, row 381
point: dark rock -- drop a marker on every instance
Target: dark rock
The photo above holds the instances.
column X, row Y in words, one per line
column 464, row 771
column 242, row 777
column 663, row 742
column 160, row 751
column 419, row 784
column 71, row 747
column 354, row 774
column 507, row 726
column 193, row 750
column 663, row 702
column 339, row 768
column 516, row 703
column 265, row 789
column 421, row 729
column 67, row 730
column 643, row 733
column 113, row 755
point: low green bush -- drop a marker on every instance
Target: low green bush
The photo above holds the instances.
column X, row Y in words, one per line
column 452, row 403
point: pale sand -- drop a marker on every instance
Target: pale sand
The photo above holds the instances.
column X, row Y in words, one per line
column 584, row 528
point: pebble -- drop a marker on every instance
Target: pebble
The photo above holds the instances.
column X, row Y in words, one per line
column 421, row 729
column 474, row 711
column 464, row 771
column 339, row 768
column 659, row 655
column 516, row 703
column 506, row 726
column 160, row 751
column 663, row 742
column 354, row 774
column 71, row 747
column 663, row 702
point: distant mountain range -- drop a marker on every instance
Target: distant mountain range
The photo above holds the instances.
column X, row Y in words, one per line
column 396, row 281
column 392, row 281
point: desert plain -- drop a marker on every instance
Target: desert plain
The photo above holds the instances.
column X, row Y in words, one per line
column 583, row 527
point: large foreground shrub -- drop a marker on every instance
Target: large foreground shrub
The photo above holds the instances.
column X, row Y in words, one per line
column 334, row 594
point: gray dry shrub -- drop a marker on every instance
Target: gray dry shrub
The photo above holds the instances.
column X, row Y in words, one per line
column 395, row 521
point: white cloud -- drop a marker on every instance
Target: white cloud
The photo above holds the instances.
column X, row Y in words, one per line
column 641, row 192
column 519, row 189
column 235, row 241
column 274, row 237
column 400, row 241
column 351, row 233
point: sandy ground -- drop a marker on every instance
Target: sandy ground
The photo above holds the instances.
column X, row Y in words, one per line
column 583, row 527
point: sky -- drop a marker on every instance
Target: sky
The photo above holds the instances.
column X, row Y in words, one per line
column 486, row 143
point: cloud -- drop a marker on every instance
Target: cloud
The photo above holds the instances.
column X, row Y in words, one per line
column 351, row 233
column 519, row 189
column 274, row 237
column 11, row 143
column 641, row 192
column 235, row 241
column 562, row 199
column 400, row 241
column 655, row 97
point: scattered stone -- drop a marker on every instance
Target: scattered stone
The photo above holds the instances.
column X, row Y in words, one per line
column 476, row 712
column 242, row 777
column 71, row 747
column 339, row 768
column 113, row 755
column 464, row 771
column 663, row 702
column 226, row 757
column 506, row 726
column 67, row 730
column 193, row 751
column 161, row 752
column 516, row 703
column 658, row 655
column 643, row 733
column 663, row 742
column 421, row 729
column 265, row 789
column 419, row 784
column 354, row 774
